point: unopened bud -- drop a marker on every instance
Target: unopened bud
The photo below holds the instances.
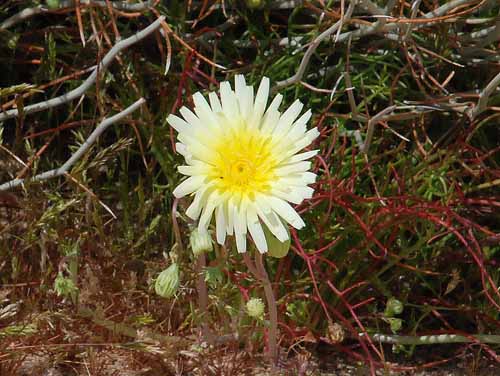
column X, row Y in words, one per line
column 167, row 283
column 201, row 242
column 255, row 4
column 393, row 307
column 255, row 308
column 276, row 248
column 52, row 4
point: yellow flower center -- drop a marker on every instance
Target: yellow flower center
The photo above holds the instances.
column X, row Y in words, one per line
column 245, row 162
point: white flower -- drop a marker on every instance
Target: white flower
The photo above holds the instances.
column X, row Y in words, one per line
column 242, row 162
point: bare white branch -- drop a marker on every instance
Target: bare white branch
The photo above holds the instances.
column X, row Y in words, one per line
column 371, row 127
column 31, row 12
column 485, row 95
column 80, row 90
column 81, row 150
column 313, row 46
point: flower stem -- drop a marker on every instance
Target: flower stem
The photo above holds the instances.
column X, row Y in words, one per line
column 201, row 286
column 273, row 311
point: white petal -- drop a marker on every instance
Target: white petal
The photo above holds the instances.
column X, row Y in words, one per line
column 191, row 118
column 285, row 211
column 297, row 132
column 220, row 224
column 178, row 124
column 292, row 193
column 182, row 150
column 197, row 149
column 289, row 195
column 188, row 186
column 231, row 210
column 307, row 177
column 260, row 102
column 200, row 200
column 306, row 140
column 303, row 156
column 312, row 134
column 255, row 229
column 271, row 220
column 288, row 118
column 241, row 242
column 239, row 84
column 197, row 168
column 275, row 103
column 272, row 114
column 295, row 181
column 240, row 218
column 269, row 122
column 215, row 102
column 240, row 226
column 300, row 126
column 304, row 118
column 285, row 170
column 248, row 104
column 206, row 215
column 305, row 192
column 244, row 95
column 204, row 112
column 229, row 103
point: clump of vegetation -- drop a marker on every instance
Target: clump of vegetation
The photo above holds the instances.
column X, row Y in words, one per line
column 402, row 245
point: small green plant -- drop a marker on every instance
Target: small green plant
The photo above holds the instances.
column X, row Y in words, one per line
column 65, row 287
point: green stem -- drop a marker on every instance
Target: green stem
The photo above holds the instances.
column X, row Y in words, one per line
column 273, row 310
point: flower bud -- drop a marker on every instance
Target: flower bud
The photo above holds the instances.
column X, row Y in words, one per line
column 52, row 4
column 396, row 324
column 335, row 333
column 200, row 241
column 276, row 248
column 167, row 283
column 393, row 307
column 255, row 308
column 255, row 4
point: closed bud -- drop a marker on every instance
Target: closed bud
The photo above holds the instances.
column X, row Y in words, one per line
column 255, row 4
column 393, row 307
column 52, row 4
column 167, row 283
column 200, row 241
column 255, row 308
column 276, row 248
column 396, row 324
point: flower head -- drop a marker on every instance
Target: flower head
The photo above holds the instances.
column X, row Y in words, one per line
column 242, row 162
column 255, row 308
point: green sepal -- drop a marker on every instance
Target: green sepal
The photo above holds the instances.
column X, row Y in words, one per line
column 276, row 248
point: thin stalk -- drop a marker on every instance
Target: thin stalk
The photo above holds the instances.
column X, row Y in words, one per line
column 201, row 286
column 273, row 310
